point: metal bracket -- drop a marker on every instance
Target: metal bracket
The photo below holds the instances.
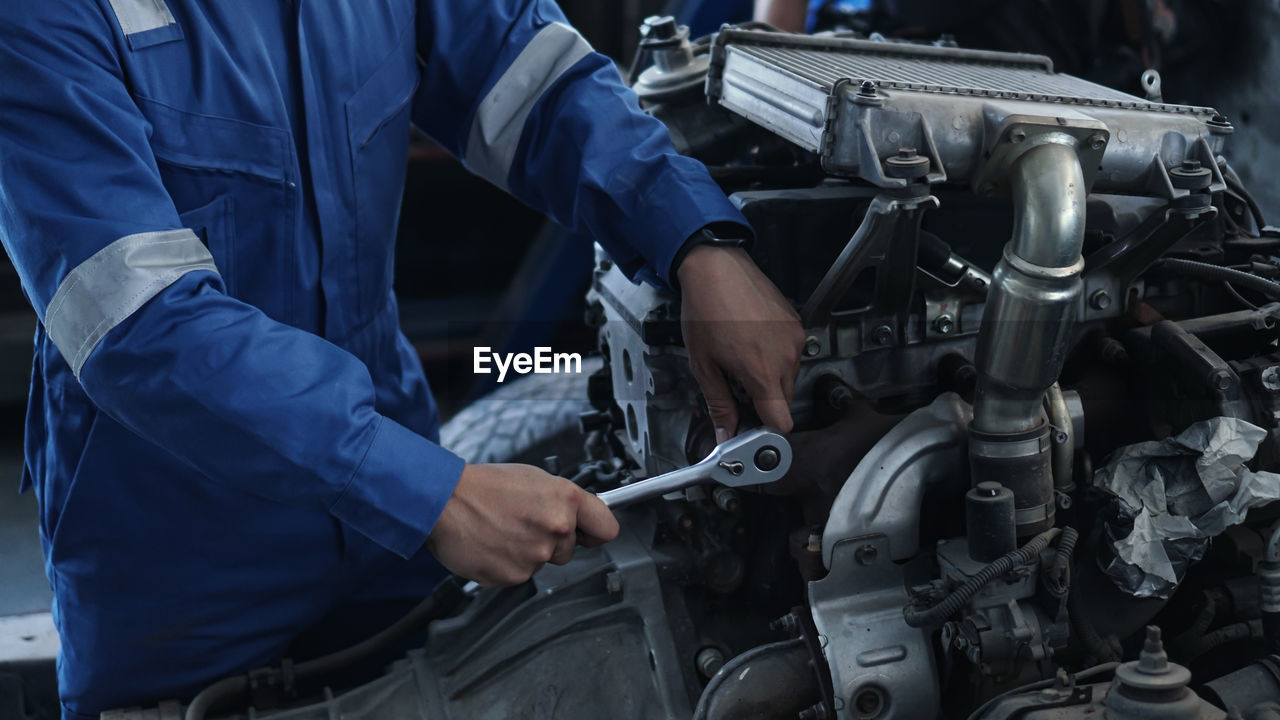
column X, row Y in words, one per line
column 886, row 241
column 1110, row 270
column 1013, row 134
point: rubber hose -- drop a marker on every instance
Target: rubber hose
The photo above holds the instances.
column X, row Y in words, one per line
column 1223, row 636
column 1238, row 188
column 731, row 668
column 1187, row 640
column 1042, row 684
column 1059, row 581
column 952, row 603
column 1271, row 631
column 1205, row 271
column 1104, row 649
column 445, row 596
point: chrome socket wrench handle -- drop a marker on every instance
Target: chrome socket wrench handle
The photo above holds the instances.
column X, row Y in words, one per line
column 755, row 457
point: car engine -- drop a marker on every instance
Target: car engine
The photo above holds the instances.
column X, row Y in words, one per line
column 1037, row 418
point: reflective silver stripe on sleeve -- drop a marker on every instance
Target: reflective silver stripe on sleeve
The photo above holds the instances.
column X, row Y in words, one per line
column 501, row 116
column 136, row 16
column 103, row 291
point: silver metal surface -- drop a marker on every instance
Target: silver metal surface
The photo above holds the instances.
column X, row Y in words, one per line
column 857, row 102
column 755, row 457
column 1032, row 307
column 1063, row 437
column 873, row 527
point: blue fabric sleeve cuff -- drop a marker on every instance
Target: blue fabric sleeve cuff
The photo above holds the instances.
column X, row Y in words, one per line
column 684, row 203
column 399, row 490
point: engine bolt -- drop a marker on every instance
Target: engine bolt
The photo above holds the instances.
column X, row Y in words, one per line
column 883, row 335
column 709, row 661
column 727, row 499
column 814, row 712
column 1271, row 378
column 811, row 346
column 767, row 458
column 944, row 324
column 1018, row 135
column 786, row 624
column 1097, row 141
column 867, row 89
column 1221, row 379
column 865, row 555
column 1100, row 300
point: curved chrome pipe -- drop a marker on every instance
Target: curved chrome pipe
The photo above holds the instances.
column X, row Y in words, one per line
column 1031, row 310
column 1026, row 330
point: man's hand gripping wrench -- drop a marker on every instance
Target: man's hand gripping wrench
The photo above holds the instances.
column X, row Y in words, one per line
column 755, row 457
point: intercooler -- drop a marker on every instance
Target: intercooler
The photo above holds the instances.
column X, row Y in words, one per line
column 858, row 102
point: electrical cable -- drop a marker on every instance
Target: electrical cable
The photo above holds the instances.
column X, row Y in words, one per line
column 1217, row 273
column 1042, row 684
column 948, row 606
column 444, row 598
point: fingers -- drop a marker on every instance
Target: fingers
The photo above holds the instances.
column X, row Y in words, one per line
column 563, row 552
column 595, row 520
column 771, row 402
column 721, row 405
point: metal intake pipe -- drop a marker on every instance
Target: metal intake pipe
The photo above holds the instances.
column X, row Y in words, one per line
column 1026, row 327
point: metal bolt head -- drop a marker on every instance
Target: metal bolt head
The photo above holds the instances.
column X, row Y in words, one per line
column 709, row 661
column 613, row 583
column 1097, row 141
column 867, row 88
column 767, row 458
column 786, row 624
column 1190, row 175
column 1221, row 379
column 865, row 555
column 882, row 335
column 811, row 346
column 727, row 499
column 944, row 324
column 660, row 27
column 907, row 164
column 1017, row 136
column 1100, row 300
column 1271, row 378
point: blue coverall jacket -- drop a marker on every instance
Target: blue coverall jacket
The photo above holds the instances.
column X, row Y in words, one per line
column 227, row 434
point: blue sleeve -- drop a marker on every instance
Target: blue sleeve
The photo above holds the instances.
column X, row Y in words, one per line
column 521, row 98
column 260, row 406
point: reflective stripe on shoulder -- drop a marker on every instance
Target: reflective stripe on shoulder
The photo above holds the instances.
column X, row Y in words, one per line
column 500, row 118
column 103, row 291
column 138, row 16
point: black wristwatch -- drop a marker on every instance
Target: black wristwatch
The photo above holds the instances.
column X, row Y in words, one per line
column 717, row 234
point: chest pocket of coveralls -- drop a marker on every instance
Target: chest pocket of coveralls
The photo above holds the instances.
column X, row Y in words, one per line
column 378, row 134
column 230, row 181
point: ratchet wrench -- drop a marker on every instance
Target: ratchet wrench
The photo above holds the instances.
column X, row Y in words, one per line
column 755, row 457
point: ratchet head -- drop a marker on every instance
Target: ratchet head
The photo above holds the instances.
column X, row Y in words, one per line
column 755, row 457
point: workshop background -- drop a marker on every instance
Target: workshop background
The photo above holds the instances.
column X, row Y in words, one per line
column 516, row 281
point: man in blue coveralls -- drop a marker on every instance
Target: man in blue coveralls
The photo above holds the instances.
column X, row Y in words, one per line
column 229, row 437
